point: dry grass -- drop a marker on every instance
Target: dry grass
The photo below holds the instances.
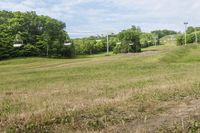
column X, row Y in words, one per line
column 97, row 93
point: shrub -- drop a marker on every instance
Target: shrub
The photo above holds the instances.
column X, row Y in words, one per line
column 30, row 50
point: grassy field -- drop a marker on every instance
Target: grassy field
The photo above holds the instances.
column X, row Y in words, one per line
column 155, row 91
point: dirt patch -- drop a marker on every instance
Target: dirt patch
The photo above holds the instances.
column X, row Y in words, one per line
column 144, row 53
column 182, row 111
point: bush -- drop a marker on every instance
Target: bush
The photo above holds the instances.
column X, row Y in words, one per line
column 117, row 49
column 146, row 40
column 191, row 38
column 180, row 40
column 68, row 51
column 130, row 36
column 30, row 50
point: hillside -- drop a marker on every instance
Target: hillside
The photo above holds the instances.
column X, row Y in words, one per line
column 157, row 90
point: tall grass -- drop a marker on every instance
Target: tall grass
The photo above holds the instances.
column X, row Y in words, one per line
column 95, row 94
column 183, row 54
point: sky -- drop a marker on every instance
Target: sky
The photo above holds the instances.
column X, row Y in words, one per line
column 92, row 17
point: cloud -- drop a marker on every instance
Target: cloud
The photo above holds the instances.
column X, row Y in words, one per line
column 112, row 15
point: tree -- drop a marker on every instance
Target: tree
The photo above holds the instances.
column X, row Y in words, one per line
column 190, row 29
column 117, row 49
column 29, row 50
column 146, row 40
column 90, row 45
column 191, row 38
column 180, row 40
column 162, row 33
column 127, row 37
column 37, row 32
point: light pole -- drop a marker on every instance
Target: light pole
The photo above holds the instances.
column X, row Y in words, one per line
column 185, row 23
column 155, row 41
column 107, row 45
column 196, row 39
column 47, row 54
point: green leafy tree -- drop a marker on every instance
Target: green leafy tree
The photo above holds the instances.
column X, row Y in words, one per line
column 162, row 33
column 190, row 29
column 38, row 32
column 147, row 39
column 180, row 40
column 127, row 37
column 29, row 50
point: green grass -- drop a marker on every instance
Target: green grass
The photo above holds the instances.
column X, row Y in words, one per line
column 97, row 92
column 184, row 54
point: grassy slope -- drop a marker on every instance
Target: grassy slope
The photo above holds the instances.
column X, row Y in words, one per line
column 95, row 93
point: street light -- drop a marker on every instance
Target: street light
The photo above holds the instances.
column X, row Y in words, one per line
column 185, row 23
column 156, row 39
column 107, row 45
column 47, row 54
column 196, row 39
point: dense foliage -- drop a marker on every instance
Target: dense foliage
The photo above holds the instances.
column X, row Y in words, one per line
column 148, row 39
column 162, row 33
column 130, row 40
column 94, row 44
column 45, row 36
column 40, row 35
column 192, row 33
column 191, row 29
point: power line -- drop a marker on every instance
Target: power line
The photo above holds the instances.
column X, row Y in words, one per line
column 89, row 32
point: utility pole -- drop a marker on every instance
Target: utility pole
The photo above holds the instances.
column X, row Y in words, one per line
column 196, row 39
column 128, row 47
column 185, row 23
column 107, row 46
column 47, row 50
column 155, row 40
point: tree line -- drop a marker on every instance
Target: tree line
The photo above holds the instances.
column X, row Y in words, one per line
column 40, row 35
column 44, row 36
column 129, row 40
